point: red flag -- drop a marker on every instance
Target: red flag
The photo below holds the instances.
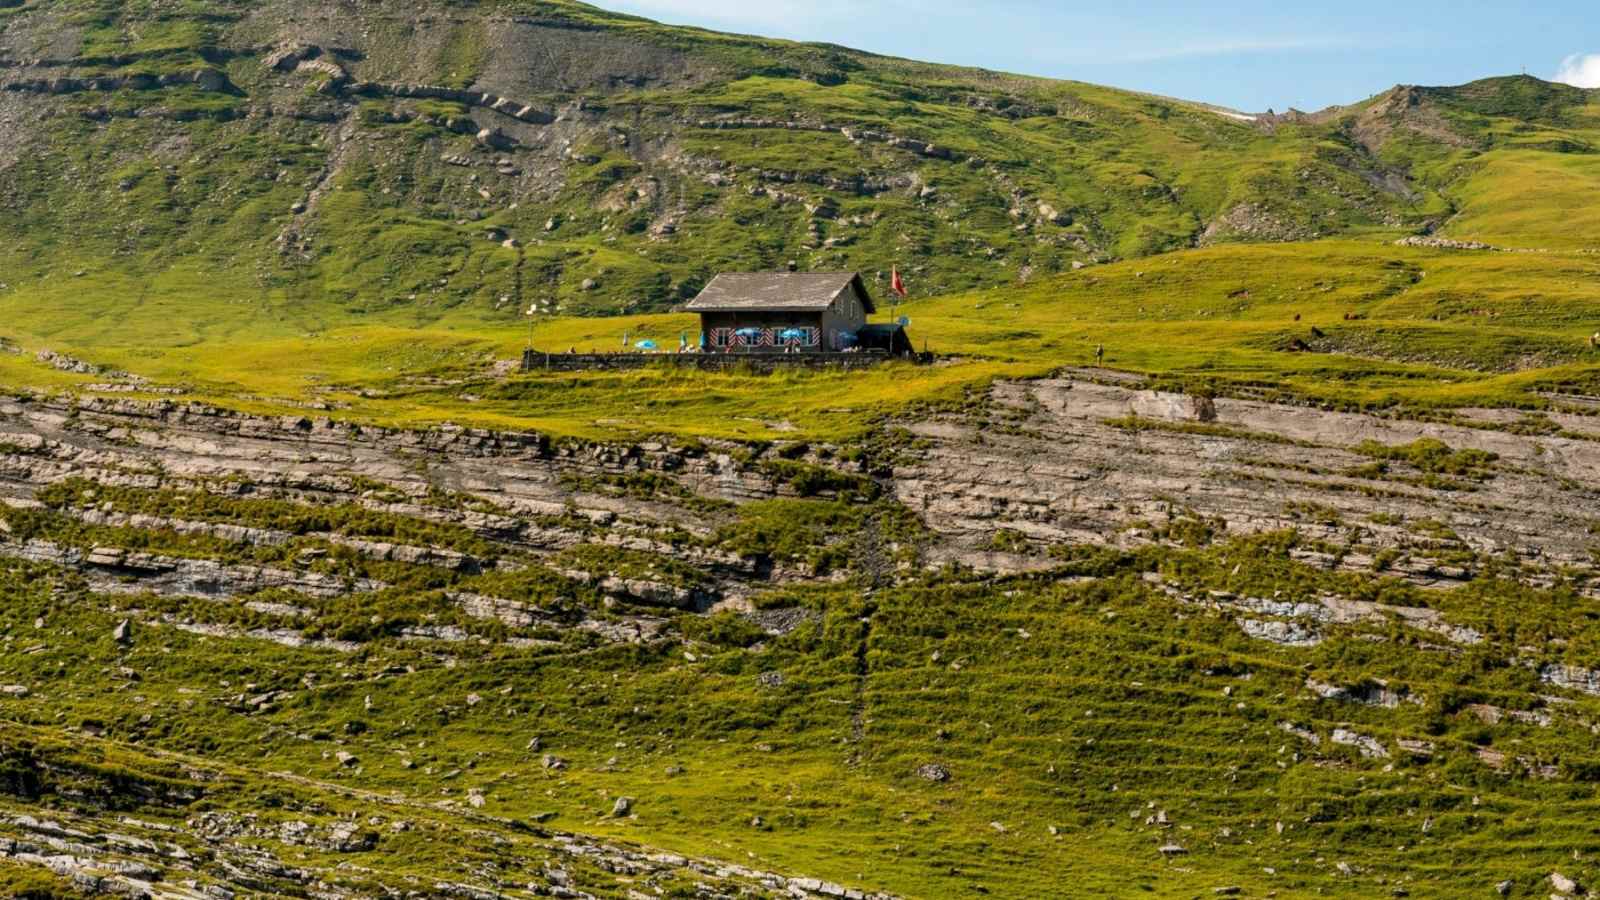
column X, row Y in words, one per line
column 896, row 284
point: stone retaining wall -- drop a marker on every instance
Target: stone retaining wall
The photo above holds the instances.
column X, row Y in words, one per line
column 536, row 361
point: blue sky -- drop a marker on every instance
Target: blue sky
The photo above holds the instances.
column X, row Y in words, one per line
column 1249, row 55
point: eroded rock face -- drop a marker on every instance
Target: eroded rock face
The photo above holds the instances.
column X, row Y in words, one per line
column 1081, row 462
column 1105, row 464
column 205, row 78
column 130, row 444
column 1366, row 745
column 527, row 498
column 115, row 440
column 1573, row 678
column 109, row 571
column 236, row 854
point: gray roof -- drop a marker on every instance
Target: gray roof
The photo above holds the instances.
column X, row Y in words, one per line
column 777, row 292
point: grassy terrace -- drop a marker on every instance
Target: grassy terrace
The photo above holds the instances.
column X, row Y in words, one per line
column 1361, row 324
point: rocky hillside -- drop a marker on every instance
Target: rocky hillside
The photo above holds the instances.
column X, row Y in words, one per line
column 359, row 160
column 1156, row 642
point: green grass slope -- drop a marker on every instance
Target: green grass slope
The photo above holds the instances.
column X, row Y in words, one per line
column 325, row 197
column 1083, row 719
column 318, row 242
column 1354, row 324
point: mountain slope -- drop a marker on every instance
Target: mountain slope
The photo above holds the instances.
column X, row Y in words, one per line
column 305, row 592
column 325, row 160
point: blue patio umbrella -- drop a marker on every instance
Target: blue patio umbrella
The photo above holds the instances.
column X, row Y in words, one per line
column 646, row 345
column 749, row 332
column 793, row 334
column 848, row 339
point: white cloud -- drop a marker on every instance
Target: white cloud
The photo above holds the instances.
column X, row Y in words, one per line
column 1580, row 70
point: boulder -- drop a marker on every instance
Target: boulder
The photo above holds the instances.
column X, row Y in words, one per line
column 347, row 837
column 287, row 57
column 495, row 139
column 105, row 556
column 1366, row 745
column 1054, row 216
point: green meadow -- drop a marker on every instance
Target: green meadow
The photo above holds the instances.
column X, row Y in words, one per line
column 1356, row 324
